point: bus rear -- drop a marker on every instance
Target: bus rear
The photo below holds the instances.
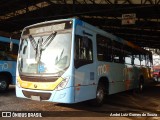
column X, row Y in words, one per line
column 44, row 70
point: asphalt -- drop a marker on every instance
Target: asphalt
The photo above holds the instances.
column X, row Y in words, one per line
column 133, row 103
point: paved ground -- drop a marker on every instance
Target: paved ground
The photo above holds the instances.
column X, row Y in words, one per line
column 121, row 103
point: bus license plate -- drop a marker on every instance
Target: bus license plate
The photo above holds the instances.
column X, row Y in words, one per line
column 37, row 98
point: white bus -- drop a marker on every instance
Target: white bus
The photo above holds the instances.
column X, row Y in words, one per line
column 69, row 61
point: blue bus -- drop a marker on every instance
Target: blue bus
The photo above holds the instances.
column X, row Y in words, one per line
column 69, row 61
column 8, row 59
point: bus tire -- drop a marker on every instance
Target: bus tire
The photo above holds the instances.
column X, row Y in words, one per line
column 100, row 95
column 4, row 83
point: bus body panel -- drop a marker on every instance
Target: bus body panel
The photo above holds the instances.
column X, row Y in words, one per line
column 8, row 57
column 65, row 95
column 8, row 40
column 62, row 96
column 85, row 83
column 110, row 70
column 9, row 67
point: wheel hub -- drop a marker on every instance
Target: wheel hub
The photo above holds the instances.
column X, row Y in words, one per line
column 3, row 84
column 100, row 95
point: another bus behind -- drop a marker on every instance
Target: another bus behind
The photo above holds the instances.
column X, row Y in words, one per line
column 8, row 59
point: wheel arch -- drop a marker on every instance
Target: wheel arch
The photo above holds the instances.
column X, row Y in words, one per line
column 105, row 81
column 8, row 75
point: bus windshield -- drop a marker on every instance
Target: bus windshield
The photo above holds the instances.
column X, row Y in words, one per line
column 45, row 53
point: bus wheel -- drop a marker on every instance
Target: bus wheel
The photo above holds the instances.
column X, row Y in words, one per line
column 4, row 83
column 100, row 95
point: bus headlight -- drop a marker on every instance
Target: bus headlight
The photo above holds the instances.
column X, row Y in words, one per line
column 63, row 84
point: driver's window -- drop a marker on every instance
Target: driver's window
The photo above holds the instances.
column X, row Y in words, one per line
column 83, row 51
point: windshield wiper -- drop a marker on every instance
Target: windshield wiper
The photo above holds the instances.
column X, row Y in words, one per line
column 33, row 42
column 40, row 45
column 48, row 40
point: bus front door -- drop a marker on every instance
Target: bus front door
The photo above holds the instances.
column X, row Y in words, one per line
column 85, row 68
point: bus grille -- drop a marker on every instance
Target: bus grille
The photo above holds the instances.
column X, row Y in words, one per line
column 38, row 78
column 43, row 96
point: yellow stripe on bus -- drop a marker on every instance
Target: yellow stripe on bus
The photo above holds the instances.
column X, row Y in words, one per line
column 39, row 85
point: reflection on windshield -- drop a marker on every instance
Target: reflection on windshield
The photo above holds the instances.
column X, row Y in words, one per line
column 40, row 45
column 45, row 54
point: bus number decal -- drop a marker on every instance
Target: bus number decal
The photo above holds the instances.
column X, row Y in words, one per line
column 4, row 66
column 103, row 69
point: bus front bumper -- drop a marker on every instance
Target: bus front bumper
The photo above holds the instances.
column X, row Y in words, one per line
column 62, row 96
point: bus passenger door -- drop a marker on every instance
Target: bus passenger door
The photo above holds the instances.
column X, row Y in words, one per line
column 84, row 63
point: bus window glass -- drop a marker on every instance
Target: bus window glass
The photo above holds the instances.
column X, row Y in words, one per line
column 148, row 60
column 136, row 60
column 83, row 51
column 117, row 52
column 127, row 54
column 56, row 47
column 143, row 60
column 6, row 54
column 128, row 59
column 104, row 49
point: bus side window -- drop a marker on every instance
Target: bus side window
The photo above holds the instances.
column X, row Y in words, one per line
column 148, row 60
column 136, row 58
column 24, row 47
column 128, row 55
column 104, row 49
column 83, row 51
column 117, row 52
column 143, row 60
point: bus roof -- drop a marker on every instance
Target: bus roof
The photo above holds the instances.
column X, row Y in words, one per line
column 40, row 23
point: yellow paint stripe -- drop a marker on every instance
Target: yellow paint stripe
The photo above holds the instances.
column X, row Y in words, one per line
column 39, row 85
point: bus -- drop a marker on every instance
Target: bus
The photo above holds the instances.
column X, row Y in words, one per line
column 69, row 61
column 8, row 60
